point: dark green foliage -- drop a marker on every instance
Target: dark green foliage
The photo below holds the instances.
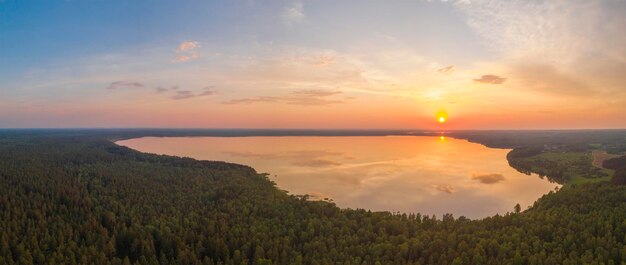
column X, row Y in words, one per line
column 84, row 200
column 615, row 163
column 619, row 165
column 523, row 152
column 619, row 178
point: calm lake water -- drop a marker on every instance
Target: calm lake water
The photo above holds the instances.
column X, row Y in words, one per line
column 429, row 175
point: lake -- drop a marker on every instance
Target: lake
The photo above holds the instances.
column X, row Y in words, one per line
column 425, row 174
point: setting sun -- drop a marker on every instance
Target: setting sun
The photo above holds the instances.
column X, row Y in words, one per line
column 442, row 116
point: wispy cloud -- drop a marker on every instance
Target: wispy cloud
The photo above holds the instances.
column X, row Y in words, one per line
column 161, row 89
column 447, row 188
column 447, row 70
column 178, row 94
column 320, row 60
column 293, row 14
column 187, row 50
column 121, row 84
column 553, row 31
column 549, row 79
column 250, row 100
column 188, row 46
column 490, row 79
column 311, row 97
column 488, row 178
column 316, row 92
column 186, row 94
column 574, row 48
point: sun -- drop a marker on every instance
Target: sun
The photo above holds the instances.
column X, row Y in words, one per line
column 442, row 117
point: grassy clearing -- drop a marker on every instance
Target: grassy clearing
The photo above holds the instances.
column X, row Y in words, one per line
column 575, row 180
column 567, row 167
column 600, row 155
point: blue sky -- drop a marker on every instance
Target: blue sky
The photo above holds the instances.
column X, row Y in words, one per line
column 49, row 30
column 313, row 64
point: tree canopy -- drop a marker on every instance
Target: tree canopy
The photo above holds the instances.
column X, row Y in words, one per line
column 81, row 199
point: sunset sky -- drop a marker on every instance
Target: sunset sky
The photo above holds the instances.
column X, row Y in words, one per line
column 313, row 64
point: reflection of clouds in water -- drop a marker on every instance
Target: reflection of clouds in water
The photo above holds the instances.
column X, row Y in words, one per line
column 251, row 155
column 363, row 174
column 488, row 178
column 414, row 184
column 314, row 163
column 447, row 188
column 316, row 195
column 407, row 174
column 303, row 158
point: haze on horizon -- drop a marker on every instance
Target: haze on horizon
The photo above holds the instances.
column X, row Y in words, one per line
column 313, row 64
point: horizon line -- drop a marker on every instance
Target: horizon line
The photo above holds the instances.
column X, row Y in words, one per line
column 304, row 129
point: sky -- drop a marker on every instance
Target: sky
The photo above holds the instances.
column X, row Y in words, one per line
column 313, row 64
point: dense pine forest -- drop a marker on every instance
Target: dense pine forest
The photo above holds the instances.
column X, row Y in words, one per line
column 78, row 198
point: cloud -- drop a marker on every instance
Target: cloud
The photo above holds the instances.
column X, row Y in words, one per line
column 120, row 84
column 186, row 94
column 309, row 97
column 306, row 101
column 575, row 47
column 488, row 178
column 320, row 60
column 549, row 79
column 550, row 31
column 317, row 92
column 447, row 70
column 294, row 14
column 187, row 50
column 490, row 79
column 160, row 89
column 178, row 94
column 188, row 46
column 181, row 58
column 445, row 188
column 183, row 94
column 251, row 100
column 324, row 60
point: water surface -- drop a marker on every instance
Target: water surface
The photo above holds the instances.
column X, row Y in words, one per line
column 430, row 175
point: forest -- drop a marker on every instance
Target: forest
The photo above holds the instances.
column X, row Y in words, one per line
column 75, row 197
